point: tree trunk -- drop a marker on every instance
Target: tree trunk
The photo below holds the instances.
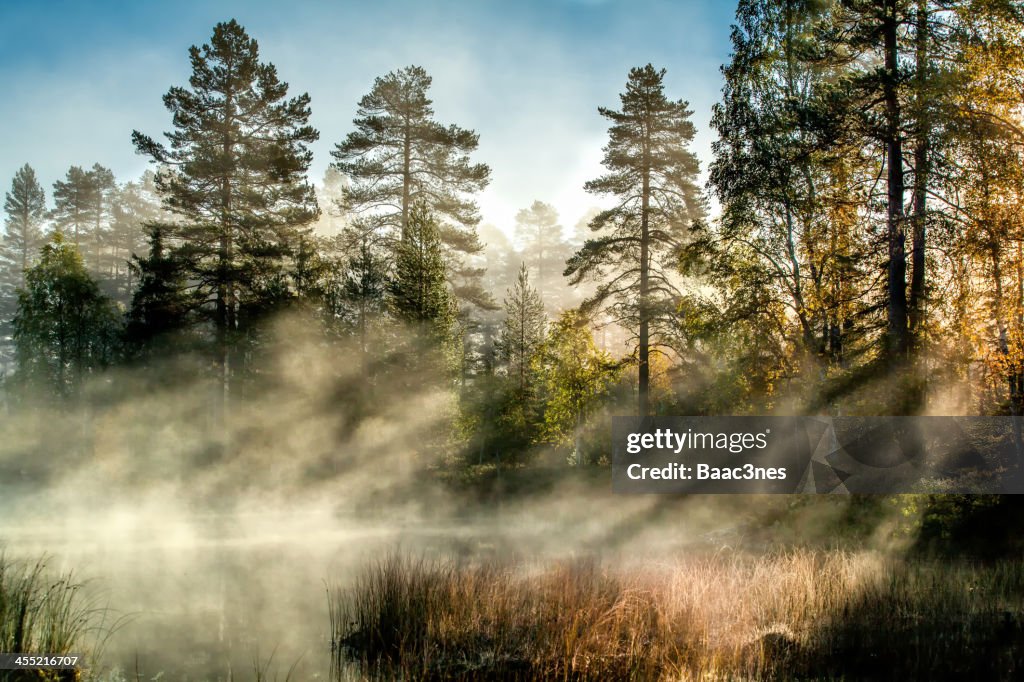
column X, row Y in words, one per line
column 896, row 236
column 406, row 176
column 921, row 173
column 644, row 367
column 225, row 289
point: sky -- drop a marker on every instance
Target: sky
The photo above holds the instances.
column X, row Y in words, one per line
column 77, row 77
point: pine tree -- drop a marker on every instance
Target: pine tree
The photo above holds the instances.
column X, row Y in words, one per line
column 892, row 99
column 539, row 233
column 399, row 155
column 363, row 291
column 162, row 304
column 234, row 177
column 419, row 290
column 330, row 195
column 25, row 206
column 83, row 211
column 104, row 191
column 74, row 202
column 136, row 206
column 652, row 174
column 522, row 334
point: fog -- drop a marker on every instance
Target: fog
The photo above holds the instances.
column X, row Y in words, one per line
column 210, row 553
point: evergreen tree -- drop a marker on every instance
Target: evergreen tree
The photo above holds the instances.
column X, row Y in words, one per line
column 363, row 292
column 104, row 192
column 162, row 304
column 523, row 332
column 540, row 235
column 399, row 155
column 233, row 175
column 64, row 328
column 893, row 96
column 83, row 211
column 419, row 290
column 330, row 195
column 875, row 26
column 652, row 174
column 136, row 205
column 74, row 202
column 25, row 206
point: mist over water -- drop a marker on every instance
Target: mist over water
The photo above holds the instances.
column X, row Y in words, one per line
column 212, row 559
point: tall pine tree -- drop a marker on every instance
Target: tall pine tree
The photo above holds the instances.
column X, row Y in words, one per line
column 25, row 206
column 652, row 176
column 136, row 205
column 74, row 201
column 399, row 155
column 234, row 176
column 540, row 234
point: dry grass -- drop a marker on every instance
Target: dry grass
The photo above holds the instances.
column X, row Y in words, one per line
column 798, row 614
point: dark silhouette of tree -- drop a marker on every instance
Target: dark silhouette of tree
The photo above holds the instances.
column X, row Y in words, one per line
column 234, row 177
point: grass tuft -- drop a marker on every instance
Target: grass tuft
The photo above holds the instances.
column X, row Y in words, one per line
column 44, row 613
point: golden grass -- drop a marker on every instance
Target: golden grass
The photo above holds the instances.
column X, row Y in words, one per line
column 806, row 614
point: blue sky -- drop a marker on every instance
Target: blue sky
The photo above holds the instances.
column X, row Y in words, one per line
column 77, row 77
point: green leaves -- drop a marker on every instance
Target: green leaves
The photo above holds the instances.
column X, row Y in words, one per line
column 64, row 327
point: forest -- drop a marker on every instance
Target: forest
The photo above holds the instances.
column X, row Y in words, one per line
column 227, row 353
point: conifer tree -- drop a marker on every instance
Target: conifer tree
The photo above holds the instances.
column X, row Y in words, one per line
column 25, row 206
column 540, row 235
column 162, row 303
column 74, row 201
column 104, row 193
column 363, row 291
column 419, row 290
column 652, row 175
column 522, row 334
column 234, row 177
column 136, row 206
column 399, row 155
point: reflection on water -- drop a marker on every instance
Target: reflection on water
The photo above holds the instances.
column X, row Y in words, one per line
column 223, row 604
column 237, row 597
